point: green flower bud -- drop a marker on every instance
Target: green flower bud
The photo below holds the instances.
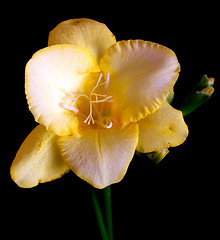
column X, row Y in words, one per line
column 199, row 95
column 158, row 155
column 196, row 100
column 170, row 97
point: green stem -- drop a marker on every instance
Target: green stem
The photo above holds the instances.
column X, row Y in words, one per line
column 99, row 215
column 108, row 211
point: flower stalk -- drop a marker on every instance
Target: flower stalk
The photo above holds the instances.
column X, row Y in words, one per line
column 106, row 228
column 108, row 211
column 99, row 215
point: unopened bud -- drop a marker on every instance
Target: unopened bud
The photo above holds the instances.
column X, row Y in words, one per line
column 170, row 97
column 196, row 100
column 158, row 155
column 199, row 95
column 204, row 83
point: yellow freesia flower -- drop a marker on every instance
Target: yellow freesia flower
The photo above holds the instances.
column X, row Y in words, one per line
column 97, row 101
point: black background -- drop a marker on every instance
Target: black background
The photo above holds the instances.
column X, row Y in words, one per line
column 178, row 198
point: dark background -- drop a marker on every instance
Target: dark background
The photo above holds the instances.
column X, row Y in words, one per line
column 178, row 198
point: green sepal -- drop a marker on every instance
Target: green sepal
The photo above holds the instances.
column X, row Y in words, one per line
column 170, row 97
column 158, row 156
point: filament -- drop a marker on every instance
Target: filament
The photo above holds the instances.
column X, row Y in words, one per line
column 93, row 98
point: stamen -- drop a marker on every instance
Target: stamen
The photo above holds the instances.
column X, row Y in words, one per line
column 98, row 95
column 90, row 118
column 107, row 81
column 110, row 125
column 97, row 84
column 103, row 100
column 74, row 98
column 75, row 110
column 99, row 98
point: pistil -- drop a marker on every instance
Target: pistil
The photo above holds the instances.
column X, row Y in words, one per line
column 96, row 113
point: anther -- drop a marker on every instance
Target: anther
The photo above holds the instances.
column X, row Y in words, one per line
column 107, row 81
column 110, row 125
column 71, row 108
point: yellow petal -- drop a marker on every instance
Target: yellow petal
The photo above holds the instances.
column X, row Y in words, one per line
column 51, row 74
column 100, row 156
column 83, row 32
column 38, row 159
column 142, row 75
column 163, row 129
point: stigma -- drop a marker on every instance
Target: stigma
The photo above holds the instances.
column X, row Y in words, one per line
column 98, row 104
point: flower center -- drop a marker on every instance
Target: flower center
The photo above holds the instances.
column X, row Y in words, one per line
column 94, row 108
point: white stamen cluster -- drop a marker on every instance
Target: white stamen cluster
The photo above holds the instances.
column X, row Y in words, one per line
column 99, row 98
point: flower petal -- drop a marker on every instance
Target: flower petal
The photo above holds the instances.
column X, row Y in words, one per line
column 83, row 32
column 142, row 75
column 51, row 74
column 100, row 156
column 163, row 129
column 38, row 159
